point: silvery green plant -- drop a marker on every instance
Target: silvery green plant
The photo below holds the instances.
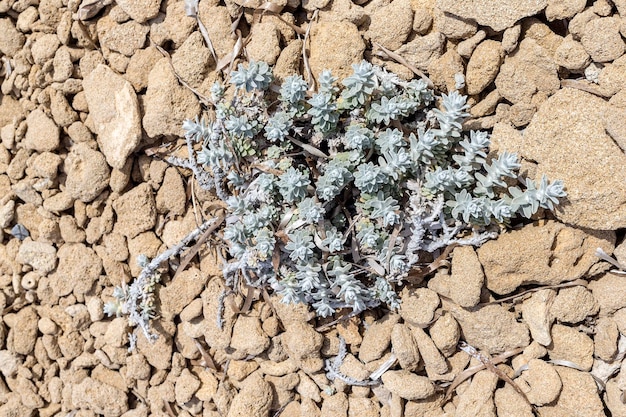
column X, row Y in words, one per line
column 334, row 196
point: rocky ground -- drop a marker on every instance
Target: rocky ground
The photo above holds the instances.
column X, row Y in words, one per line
column 87, row 96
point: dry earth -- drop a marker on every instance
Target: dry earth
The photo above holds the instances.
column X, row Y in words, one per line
column 82, row 101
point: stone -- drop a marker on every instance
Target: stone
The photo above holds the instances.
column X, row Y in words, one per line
column 602, row 40
column 465, row 282
column 23, row 336
column 98, row 397
column 608, row 290
column 43, row 135
column 136, row 211
column 536, row 314
column 453, row 26
column 181, row 291
column 483, row 66
column 573, row 305
column 613, row 399
column 79, row 269
column 171, row 197
column 391, row 25
column 41, row 256
column 477, row 399
column 140, row 65
column 335, row 405
column 125, row 38
column 404, row 347
column 254, row 398
column 540, row 382
column 335, row 46
column 264, row 44
column 530, row 70
column 377, row 338
column 497, row 14
column 442, row 70
column 140, row 10
column 303, row 345
column 434, row 361
column 44, row 48
column 217, row 337
column 579, row 396
column 114, row 111
column 219, row 30
column 87, row 173
column 558, row 140
column 362, row 407
column 560, row 9
column 446, row 334
column 466, row 48
column 167, row 104
column 9, row 363
column 408, row 385
column 571, row 55
column 11, row 40
column 605, row 340
column 248, row 337
column 491, row 328
column 510, row 38
column 423, row 50
column 193, row 60
column 186, row 386
column 571, row 345
column 509, row 403
column 541, row 253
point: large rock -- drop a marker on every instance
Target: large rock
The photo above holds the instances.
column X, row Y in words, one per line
column 392, row 24
column 167, row 103
column 544, row 254
column 497, row 14
column 335, row 46
column 579, row 138
column 114, row 109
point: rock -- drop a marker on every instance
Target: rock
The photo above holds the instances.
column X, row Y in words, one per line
column 186, row 386
column 9, row 363
column 573, row 305
column 404, row 347
column 446, row 334
column 497, row 14
column 609, row 292
column 141, row 10
column 605, row 340
column 571, row 345
column 529, row 70
column 87, row 173
column 536, row 314
column 422, row 19
column 248, row 337
column 114, row 110
column 602, row 40
column 23, row 336
column 11, row 40
column 571, row 55
column 465, row 282
column 559, row 9
column 543, row 253
column 578, row 397
column 362, row 407
column 335, row 46
column 452, row 26
column 466, row 48
column 43, row 135
column 483, row 66
column 377, row 338
column 167, row 104
column 408, row 385
column 98, row 397
column 433, row 360
column 595, row 199
column 418, row 305
column 540, row 382
column 253, row 400
column 125, row 38
column 491, row 328
column 219, row 30
column 442, row 70
column 391, row 25
column 335, row 405
column 509, row 403
column 158, row 353
column 510, row 38
column 177, row 294
column 423, row 50
column 193, row 60
column 354, row 368
column 477, row 399
column 79, row 269
column 303, row 344
column 136, row 211
column 612, row 77
column 42, row 257
column 140, row 65
column 613, row 399
column 264, row 44
column 171, row 197
column 217, row 337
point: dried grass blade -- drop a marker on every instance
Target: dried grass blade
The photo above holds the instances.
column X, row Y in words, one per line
column 398, row 58
column 305, row 59
column 574, row 283
column 208, row 360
